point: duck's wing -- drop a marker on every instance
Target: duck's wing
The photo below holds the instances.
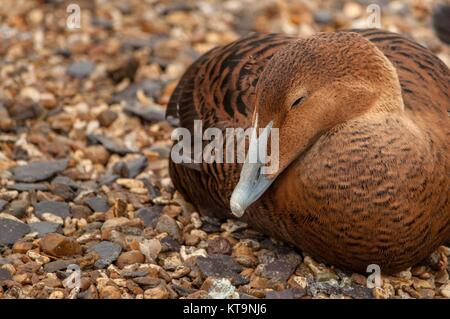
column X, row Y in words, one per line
column 219, row 87
column 424, row 78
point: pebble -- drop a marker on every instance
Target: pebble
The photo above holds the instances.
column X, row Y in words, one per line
column 4, row 275
column 129, row 258
column 110, row 292
column 98, row 204
column 109, row 143
column 159, row 292
column 60, row 209
column 222, row 266
column 38, row 170
column 219, row 288
column 279, row 269
column 60, row 246
column 3, row 204
column 21, row 247
column 11, row 231
column 25, row 187
column 151, row 113
column 18, row 208
column 108, row 252
column 107, row 117
column 150, row 248
column 167, row 224
column 80, row 69
column 444, row 290
column 136, row 166
column 43, row 228
column 150, row 215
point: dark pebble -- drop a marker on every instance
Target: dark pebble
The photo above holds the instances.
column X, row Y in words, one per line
column 169, row 244
column 219, row 245
column 5, row 275
column 108, row 252
column 136, row 166
column 291, row 293
column 11, row 231
column 80, row 211
column 26, row 187
column 60, row 209
column 150, row 215
column 57, row 265
column 98, row 204
column 18, row 208
column 80, row 69
column 45, row 227
column 323, row 17
column 126, row 71
column 222, row 266
column 147, row 113
column 279, row 269
column 3, row 204
column 109, row 144
column 38, row 170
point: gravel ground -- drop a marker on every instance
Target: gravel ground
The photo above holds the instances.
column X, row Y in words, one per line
column 84, row 147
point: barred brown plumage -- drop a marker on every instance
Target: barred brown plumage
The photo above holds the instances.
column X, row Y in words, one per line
column 371, row 184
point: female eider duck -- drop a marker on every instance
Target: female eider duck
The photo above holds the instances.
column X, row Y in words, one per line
column 363, row 125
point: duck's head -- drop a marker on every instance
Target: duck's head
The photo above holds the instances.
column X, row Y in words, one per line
column 309, row 87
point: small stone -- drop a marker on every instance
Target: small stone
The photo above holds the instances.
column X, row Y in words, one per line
column 59, row 245
column 219, row 288
column 222, row 266
column 110, row 292
column 43, row 228
column 108, row 252
column 243, row 254
column 18, row 208
column 169, row 244
column 80, row 211
column 21, row 247
column 150, row 215
column 422, row 284
column 444, row 290
column 286, row 294
column 136, row 166
column 159, row 292
column 97, row 154
column 3, row 204
column 57, row 294
column 107, row 117
column 279, row 269
column 441, row 277
column 38, row 170
column 4, row 275
column 219, row 245
column 98, row 204
column 167, row 224
column 11, row 231
column 150, row 248
column 109, row 143
column 60, row 209
column 26, row 187
column 171, row 261
column 125, row 71
column 323, row 16
column 56, row 265
column 129, row 258
column 80, row 69
column 150, row 113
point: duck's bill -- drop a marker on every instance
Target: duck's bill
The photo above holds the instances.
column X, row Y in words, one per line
column 252, row 183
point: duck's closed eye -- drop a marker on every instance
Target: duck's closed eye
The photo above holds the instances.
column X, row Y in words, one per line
column 297, row 102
